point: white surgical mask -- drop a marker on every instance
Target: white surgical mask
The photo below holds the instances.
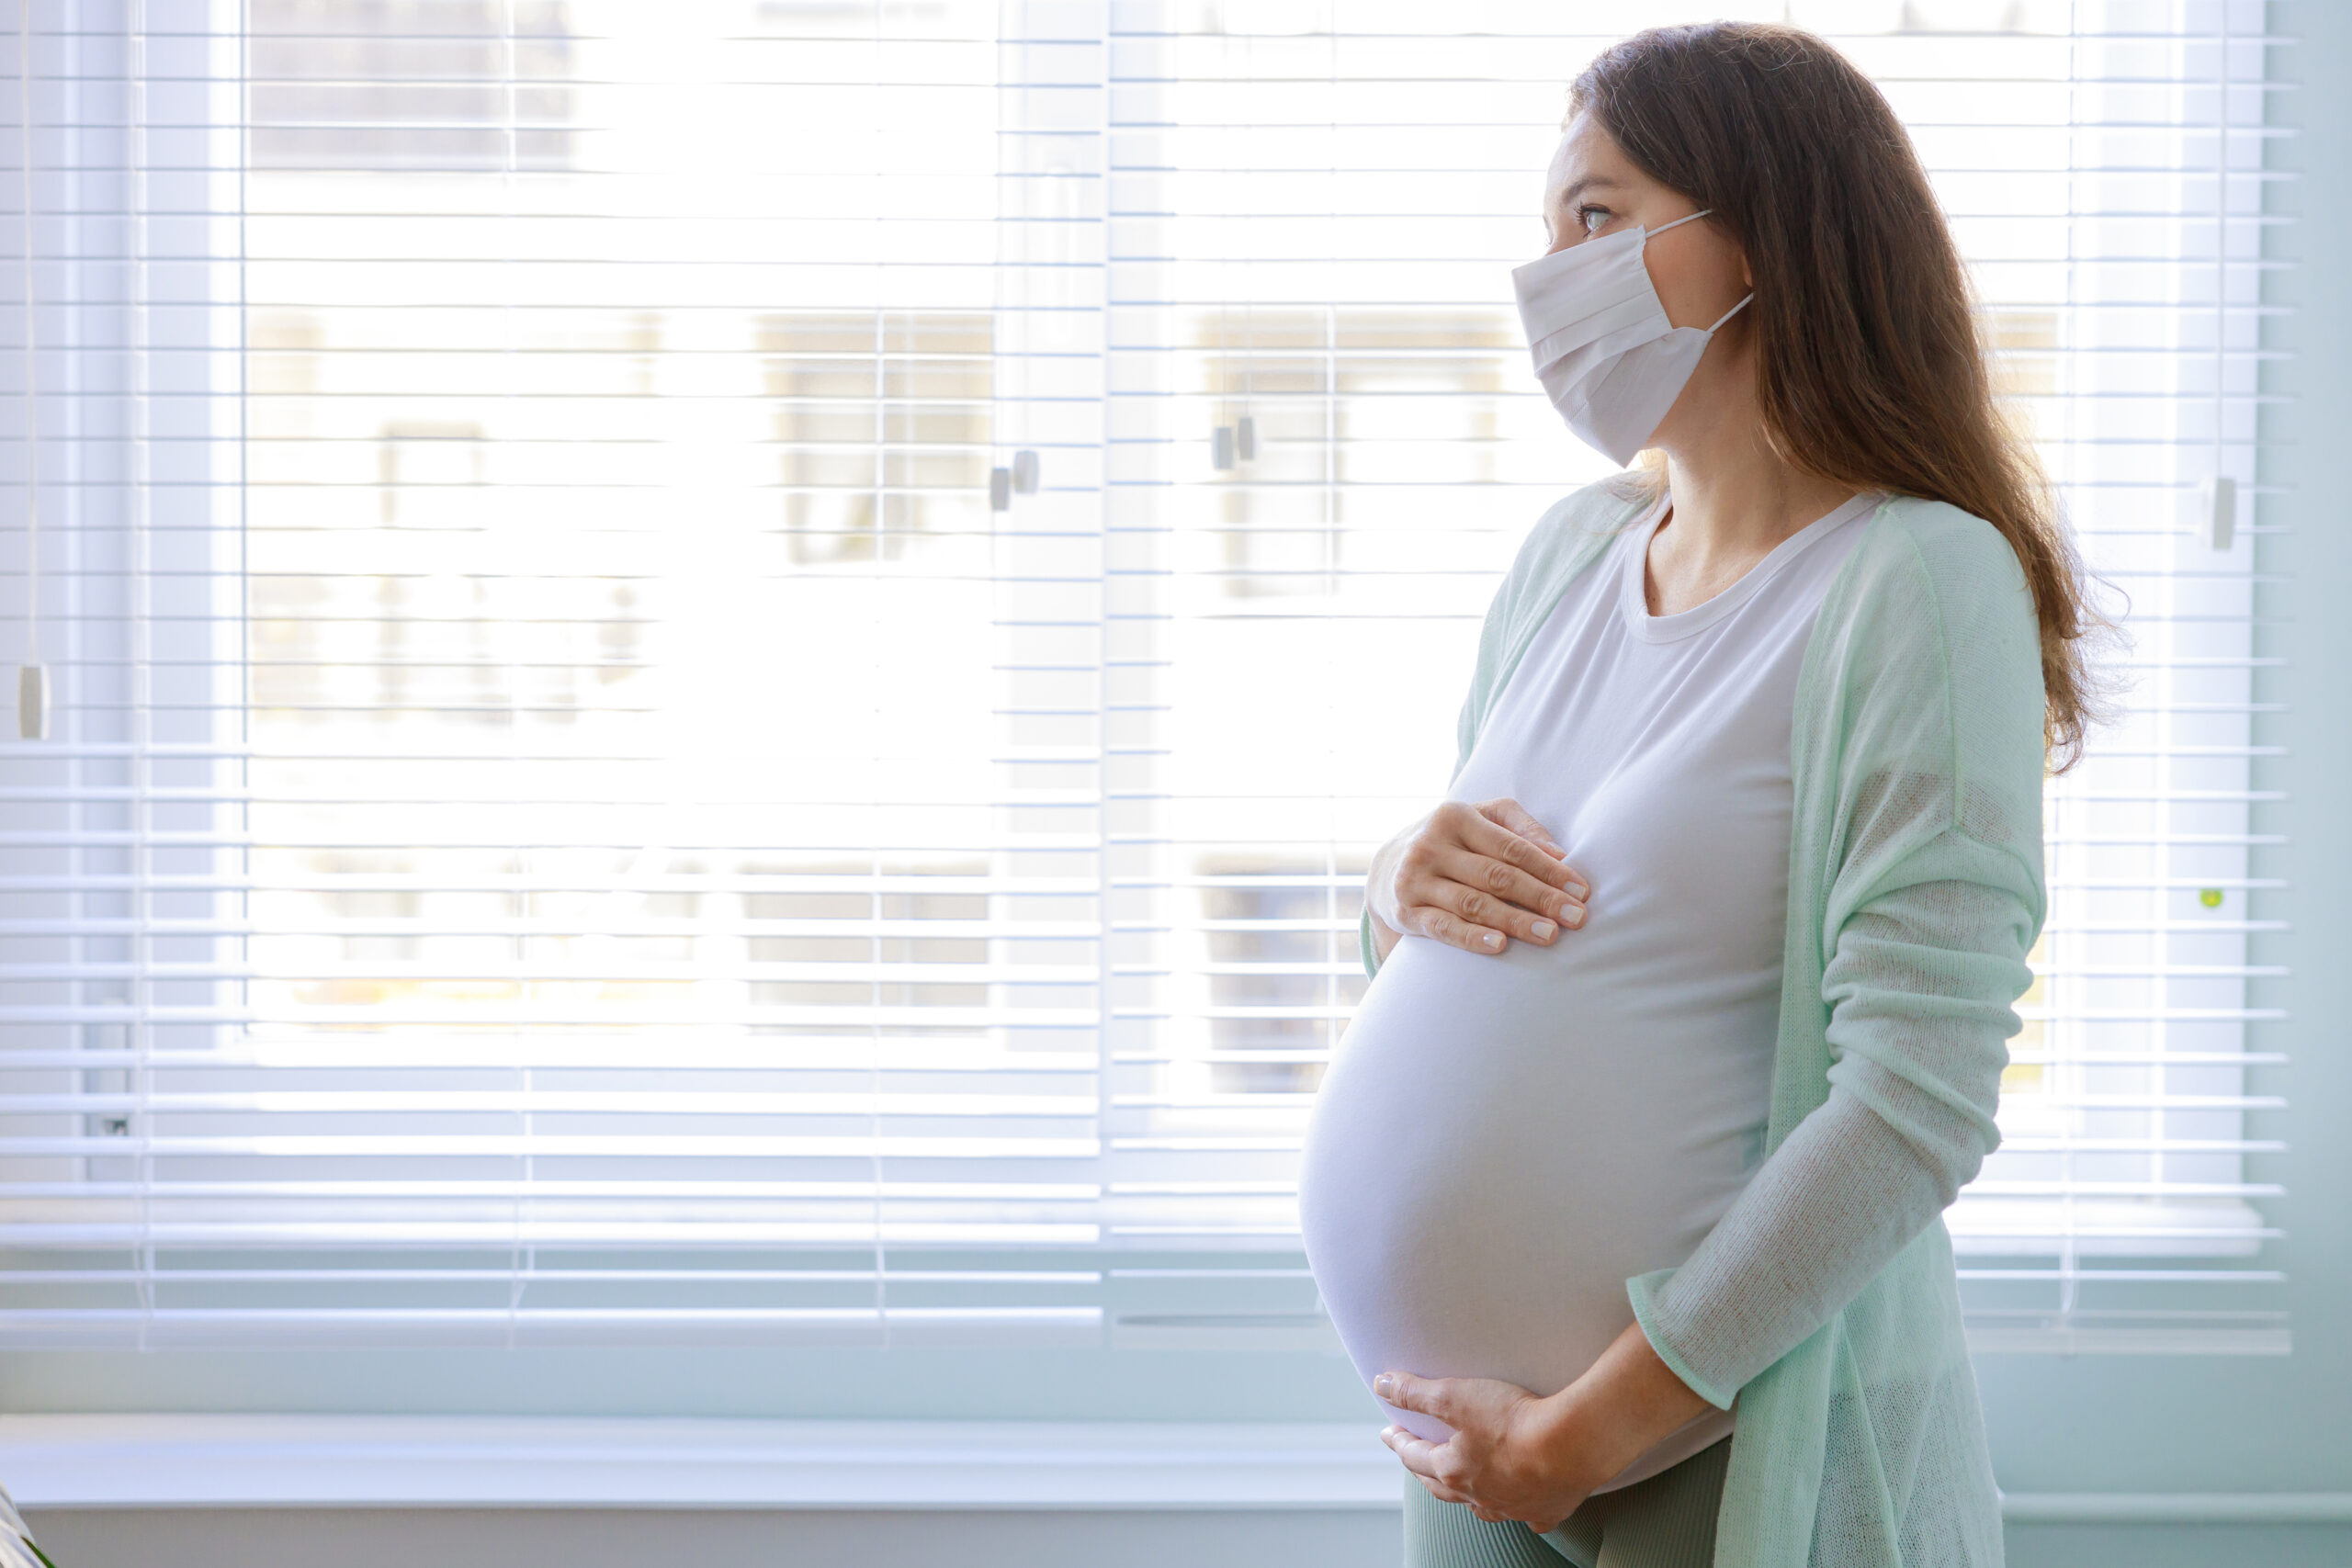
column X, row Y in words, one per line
column 1604, row 350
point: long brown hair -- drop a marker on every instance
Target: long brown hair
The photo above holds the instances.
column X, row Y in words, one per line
column 1870, row 371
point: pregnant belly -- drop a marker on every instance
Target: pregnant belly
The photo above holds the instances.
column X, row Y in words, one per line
column 1500, row 1142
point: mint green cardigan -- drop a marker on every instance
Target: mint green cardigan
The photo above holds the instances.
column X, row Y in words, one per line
column 1823, row 1308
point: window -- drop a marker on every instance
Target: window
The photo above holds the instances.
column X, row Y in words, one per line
column 728, row 673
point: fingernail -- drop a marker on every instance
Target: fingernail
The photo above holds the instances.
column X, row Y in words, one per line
column 1492, row 939
column 1577, row 890
column 1383, row 1385
column 1575, row 916
column 1544, row 929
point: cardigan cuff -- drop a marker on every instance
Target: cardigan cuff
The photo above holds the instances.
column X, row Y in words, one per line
column 1643, row 1290
column 1363, row 943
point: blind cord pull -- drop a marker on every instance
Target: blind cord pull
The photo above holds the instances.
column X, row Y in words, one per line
column 32, row 680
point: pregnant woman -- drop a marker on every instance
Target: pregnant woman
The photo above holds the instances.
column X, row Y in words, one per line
column 1691, row 1001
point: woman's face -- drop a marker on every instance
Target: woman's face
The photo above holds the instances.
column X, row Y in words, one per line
column 1593, row 188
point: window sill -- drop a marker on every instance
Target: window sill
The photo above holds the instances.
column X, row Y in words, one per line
column 471, row 1461
column 53, row 1462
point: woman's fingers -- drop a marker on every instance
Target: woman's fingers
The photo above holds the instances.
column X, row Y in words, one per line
column 1489, row 892
column 1442, row 925
column 1412, row 1448
column 1471, row 882
column 1479, row 922
column 1464, row 899
column 1406, row 1391
column 1420, row 1456
column 1484, row 835
column 1511, row 814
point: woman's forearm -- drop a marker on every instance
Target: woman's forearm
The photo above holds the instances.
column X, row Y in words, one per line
column 1625, row 1404
column 1921, row 986
column 1841, row 1196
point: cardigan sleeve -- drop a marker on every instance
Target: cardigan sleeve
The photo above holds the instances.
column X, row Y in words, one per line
column 1935, row 902
column 1921, row 985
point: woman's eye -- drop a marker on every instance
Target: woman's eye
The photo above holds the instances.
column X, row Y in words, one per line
column 1591, row 219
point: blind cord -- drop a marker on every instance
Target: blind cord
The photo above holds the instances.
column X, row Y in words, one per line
column 2221, row 520
column 32, row 679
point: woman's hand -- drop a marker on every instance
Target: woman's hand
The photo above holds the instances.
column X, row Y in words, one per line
column 1474, row 876
column 1515, row 1455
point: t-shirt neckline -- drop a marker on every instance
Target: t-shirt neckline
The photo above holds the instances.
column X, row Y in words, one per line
column 1633, row 600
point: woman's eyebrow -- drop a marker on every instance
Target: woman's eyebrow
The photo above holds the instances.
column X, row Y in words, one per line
column 1591, row 182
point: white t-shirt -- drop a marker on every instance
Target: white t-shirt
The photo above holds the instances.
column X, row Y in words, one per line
column 1502, row 1140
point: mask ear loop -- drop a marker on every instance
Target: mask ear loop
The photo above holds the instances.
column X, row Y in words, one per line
column 1649, row 234
column 1689, row 217
column 1728, row 315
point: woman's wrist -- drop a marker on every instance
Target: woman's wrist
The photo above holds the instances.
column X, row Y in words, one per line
column 1580, row 1449
column 1626, row 1403
column 1379, row 884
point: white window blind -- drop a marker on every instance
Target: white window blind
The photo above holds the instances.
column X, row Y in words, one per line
column 727, row 671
